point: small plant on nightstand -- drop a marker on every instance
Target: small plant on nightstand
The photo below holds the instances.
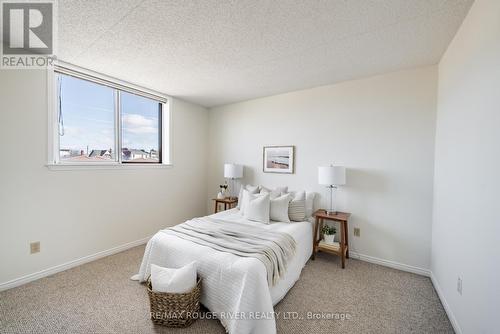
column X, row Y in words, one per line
column 222, row 192
column 329, row 234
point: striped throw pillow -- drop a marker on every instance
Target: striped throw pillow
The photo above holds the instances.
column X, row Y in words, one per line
column 297, row 207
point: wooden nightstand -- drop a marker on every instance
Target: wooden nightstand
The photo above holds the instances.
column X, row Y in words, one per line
column 343, row 249
column 229, row 203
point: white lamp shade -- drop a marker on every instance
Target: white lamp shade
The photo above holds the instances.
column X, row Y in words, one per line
column 233, row 171
column 331, row 175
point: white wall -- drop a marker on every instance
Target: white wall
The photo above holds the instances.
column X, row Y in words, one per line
column 382, row 128
column 466, row 227
column 78, row 213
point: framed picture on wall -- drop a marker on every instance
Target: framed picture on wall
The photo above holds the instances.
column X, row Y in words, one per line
column 279, row 159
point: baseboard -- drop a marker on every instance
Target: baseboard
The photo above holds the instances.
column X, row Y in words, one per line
column 446, row 306
column 71, row 264
column 390, row 264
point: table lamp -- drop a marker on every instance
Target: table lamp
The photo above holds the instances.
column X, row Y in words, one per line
column 332, row 177
column 232, row 172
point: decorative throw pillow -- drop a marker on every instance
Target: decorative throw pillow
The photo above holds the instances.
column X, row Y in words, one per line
column 264, row 189
column 179, row 280
column 251, row 189
column 274, row 193
column 309, row 203
column 243, row 200
column 257, row 208
column 240, row 197
column 279, row 208
column 297, row 207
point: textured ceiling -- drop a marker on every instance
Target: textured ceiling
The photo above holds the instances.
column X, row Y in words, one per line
column 216, row 52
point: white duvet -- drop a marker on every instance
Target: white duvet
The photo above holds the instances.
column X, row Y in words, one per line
column 234, row 288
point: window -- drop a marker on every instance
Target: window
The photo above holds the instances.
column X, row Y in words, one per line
column 86, row 121
column 141, row 125
column 102, row 122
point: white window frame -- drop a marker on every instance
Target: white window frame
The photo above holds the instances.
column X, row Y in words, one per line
column 53, row 154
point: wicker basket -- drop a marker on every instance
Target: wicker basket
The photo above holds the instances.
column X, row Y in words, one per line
column 174, row 309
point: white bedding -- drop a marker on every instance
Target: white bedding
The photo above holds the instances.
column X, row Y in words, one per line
column 234, row 288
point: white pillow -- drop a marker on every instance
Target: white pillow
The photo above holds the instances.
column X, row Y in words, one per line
column 243, row 201
column 245, row 198
column 309, row 203
column 240, row 197
column 251, row 189
column 257, row 208
column 297, row 207
column 179, row 280
column 279, row 208
column 282, row 189
column 274, row 193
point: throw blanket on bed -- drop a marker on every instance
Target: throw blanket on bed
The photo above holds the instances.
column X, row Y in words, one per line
column 274, row 249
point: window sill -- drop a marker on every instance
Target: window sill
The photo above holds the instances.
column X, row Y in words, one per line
column 105, row 166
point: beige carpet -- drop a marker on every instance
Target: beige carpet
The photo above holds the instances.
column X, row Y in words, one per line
column 99, row 298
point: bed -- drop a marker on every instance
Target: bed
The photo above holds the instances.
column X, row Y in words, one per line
column 234, row 288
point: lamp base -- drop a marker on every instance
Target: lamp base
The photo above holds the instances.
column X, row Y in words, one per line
column 331, row 213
